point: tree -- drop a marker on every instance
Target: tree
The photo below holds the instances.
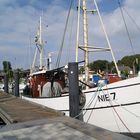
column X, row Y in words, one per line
column 99, row 65
column 7, row 68
column 81, row 70
column 130, row 60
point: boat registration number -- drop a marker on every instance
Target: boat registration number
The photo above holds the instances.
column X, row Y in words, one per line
column 107, row 97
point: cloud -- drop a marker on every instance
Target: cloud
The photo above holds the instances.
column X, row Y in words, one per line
column 19, row 23
column 116, row 30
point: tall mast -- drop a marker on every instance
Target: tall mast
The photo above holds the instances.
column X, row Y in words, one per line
column 40, row 42
column 78, row 25
column 39, row 45
column 85, row 47
column 85, row 29
column 107, row 39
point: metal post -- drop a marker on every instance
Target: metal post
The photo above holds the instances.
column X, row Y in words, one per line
column 6, row 89
column 73, row 89
column 16, row 77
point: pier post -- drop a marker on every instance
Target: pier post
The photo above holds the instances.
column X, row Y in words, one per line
column 16, row 88
column 6, row 89
column 73, row 89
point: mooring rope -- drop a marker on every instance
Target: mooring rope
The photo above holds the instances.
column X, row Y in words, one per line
column 100, row 89
column 118, row 113
column 88, row 104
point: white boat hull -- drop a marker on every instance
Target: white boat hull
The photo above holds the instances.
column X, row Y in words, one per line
column 115, row 107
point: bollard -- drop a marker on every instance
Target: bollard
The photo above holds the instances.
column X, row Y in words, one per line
column 6, row 89
column 16, row 88
column 73, row 90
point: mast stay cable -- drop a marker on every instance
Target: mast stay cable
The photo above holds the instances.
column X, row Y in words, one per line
column 131, row 18
column 62, row 44
column 128, row 34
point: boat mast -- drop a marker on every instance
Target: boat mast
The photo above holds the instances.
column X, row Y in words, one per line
column 40, row 42
column 77, row 35
column 85, row 47
column 107, row 39
column 85, row 30
column 39, row 46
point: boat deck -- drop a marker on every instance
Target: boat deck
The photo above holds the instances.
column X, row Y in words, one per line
column 31, row 122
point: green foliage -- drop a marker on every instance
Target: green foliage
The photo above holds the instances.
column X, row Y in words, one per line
column 131, row 61
column 81, row 70
column 21, row 73
column 103, row 65
column 99, row 65
column 7, row 68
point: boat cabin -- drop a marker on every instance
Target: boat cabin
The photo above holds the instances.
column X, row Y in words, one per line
column 39, row 79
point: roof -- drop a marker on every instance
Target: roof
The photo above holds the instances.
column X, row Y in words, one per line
column 38, row 72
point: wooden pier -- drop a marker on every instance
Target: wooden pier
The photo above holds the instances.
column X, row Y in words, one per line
column 15, row 110
column 25, row 120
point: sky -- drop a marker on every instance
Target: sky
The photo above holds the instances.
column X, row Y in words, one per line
column 19, row 21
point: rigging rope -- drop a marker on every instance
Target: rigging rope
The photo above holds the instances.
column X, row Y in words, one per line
column 70, row 38
column 116, row 120
column 88, row 104
column 118, row 113
column 131, row 18
column 62, row 44
column 100, row 89
column 137, row 116
column 128, row 34
column 110, row 102
column 95, row 105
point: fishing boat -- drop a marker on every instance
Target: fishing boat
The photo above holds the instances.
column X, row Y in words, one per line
column 114, row 106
